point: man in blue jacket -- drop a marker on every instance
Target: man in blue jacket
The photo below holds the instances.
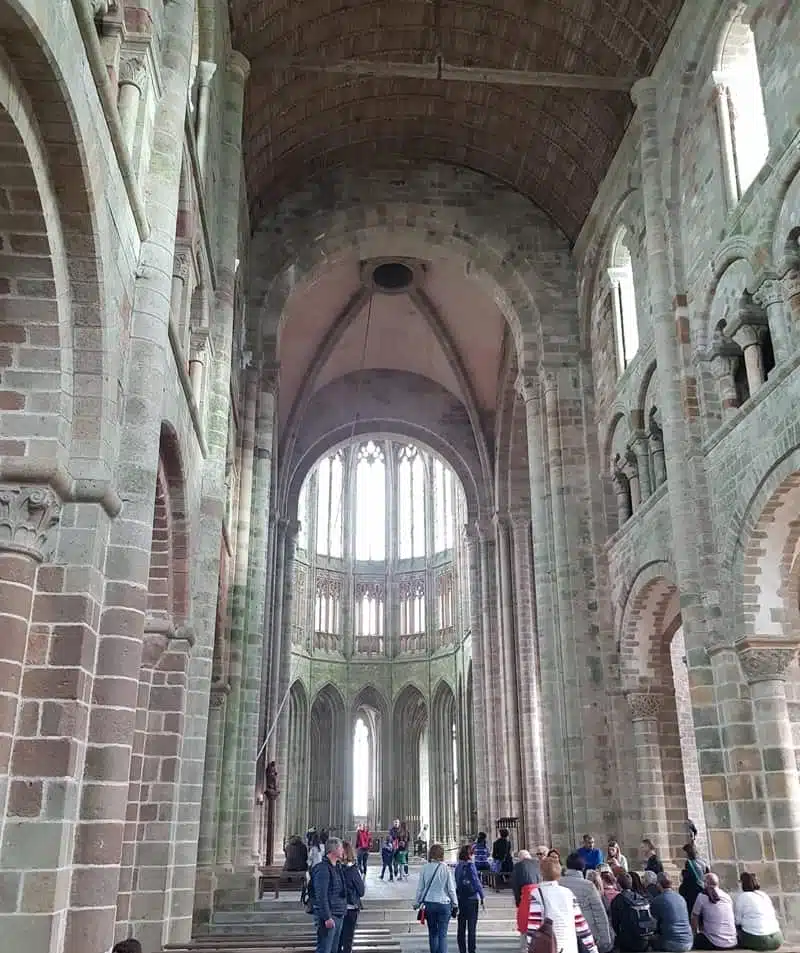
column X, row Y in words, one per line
column 330, row 897
column 592, row 856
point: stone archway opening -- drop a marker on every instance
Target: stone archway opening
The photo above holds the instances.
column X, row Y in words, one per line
column 665, row 754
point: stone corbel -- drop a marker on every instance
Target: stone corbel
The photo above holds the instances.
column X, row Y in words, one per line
column 28, row 516
column 765, row 658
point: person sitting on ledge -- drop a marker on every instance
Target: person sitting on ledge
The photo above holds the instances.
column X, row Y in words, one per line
column 754, row 915
column 712, row 918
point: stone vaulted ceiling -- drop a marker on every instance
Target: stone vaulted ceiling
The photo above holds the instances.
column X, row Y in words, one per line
column 360, row 83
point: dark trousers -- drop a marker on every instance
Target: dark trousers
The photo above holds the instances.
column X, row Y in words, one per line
column 702, row 942
column 348, row 929
column 467, row 924
column 363, row 859
column 389, row 868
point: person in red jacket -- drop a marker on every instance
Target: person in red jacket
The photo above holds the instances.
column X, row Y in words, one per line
column 363, row 844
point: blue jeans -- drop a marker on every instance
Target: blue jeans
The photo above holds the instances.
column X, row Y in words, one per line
column 437, row 916
column 328, row 937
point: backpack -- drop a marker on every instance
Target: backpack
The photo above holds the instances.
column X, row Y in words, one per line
column 636, row 923
column 465, row 886
column 544, row 939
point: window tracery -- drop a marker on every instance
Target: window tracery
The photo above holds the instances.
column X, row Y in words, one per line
column 371, row 502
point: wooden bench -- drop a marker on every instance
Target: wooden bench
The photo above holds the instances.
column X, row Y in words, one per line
column 273, row 878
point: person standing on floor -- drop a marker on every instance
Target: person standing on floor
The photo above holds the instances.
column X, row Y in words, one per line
column 436, row 892
column 470, row 893
column 330, row 897
column 592, row 856
column 526, row 871
column 363, row 844
column 590, row 900
column 354, row 887
column 387, row 858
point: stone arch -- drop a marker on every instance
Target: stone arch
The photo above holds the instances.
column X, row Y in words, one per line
column 371, row 703
column 786, row 227
column 328, row 736
column 454, row 212
column 55, row 343
column 764, row 554
column 651, row 614
column 298, row 753
column 444, row 770
column 409, row 741
column 429, row 416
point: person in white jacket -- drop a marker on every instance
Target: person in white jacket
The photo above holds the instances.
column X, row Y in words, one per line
column 560, row 905
column 754, row 915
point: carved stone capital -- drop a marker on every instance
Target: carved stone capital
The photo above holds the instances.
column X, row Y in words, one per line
column 791, row 283
column 205, row 72
column 133, row 72
column 27, row 516
column 644, row 705
column 270, row 378
column 766, row 659
column 182, row 266
column 527, row 386
column 238, row 66
column 770, row 292
column 219, row 692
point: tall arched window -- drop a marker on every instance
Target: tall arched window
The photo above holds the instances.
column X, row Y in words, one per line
column 443, row 507
column 743, row 122
column 329, row 506
column 361, row 766
column 370, row 502
column 411, row 503
column 302, row 519
column 623, row 293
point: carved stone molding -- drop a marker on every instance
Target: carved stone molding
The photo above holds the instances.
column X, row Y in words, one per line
column 27, row 516
column 770, row 292
column 133, row 72
column 644, row 705
column 766, row 659
column 219, row 692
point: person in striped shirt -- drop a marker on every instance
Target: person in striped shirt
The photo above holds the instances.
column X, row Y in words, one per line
column 550, row 900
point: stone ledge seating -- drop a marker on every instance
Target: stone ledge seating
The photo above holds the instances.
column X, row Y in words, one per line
column 273, row 878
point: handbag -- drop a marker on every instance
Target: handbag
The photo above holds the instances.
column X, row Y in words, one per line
column 421, row 911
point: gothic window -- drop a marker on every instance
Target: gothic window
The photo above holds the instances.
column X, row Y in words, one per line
column 623, row 298
column 328, row 606
column 411, row 503
column 443, row 507
column 299, row 606
column 370, row 502
column 330, row 498
column 369, row 609
column 361, row 765
column 445, row 594
column 412, row 607
column 743, row 123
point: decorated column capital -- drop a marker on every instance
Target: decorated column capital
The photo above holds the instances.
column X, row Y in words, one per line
column 644, row 705
column 527, row 386
column 133, row 72
column 644, row 92
column 769, row 293
column 238, row 66
column 28, row 514
column 766, row 659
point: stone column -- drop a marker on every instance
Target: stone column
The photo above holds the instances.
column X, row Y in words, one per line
column 207, row 845
column 622, row 491
column 776, row 823
column 553, row 687
column 505, row 654
column 245, row 843
column 230, row 761
column 282, row 727
column 770, row 296
column 692, row 532
column 641, row 450
column 645, row 709
column 529, row 713
column 631, row 470
column 180, row 299
column 214, row 494
column 274, row 638
column 132, row 77
column 479, row 698
column 205, row 73
column 791, row 291
column 28, row 515
column 655, row 436
column 747, row 329
column 495, row 739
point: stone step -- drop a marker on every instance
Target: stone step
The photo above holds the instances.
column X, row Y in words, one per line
column 496, row 928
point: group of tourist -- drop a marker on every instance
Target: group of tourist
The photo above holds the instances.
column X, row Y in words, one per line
column 334, row 896
column 394, row 852
column 598, row 903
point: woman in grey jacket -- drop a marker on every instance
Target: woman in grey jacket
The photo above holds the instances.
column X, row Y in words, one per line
column 436, row 891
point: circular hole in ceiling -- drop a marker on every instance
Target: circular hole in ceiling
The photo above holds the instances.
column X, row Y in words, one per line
column 392, row 276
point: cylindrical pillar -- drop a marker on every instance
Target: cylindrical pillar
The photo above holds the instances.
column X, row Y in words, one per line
column 205, row 73
column 645, row 709
column 771, row 297
column 765, row 662
column 748, row 337
column 282, row 714
column 478, row 716
column 512, row 794
column 230, row 761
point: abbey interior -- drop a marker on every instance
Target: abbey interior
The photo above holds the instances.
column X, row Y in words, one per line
column 403, row 393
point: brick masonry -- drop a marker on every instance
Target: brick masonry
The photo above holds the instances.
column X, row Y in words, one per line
column 611, row 614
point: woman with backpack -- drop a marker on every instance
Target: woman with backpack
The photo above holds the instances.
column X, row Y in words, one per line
column 692, row 876
column 556, row 923
column 469, row 892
